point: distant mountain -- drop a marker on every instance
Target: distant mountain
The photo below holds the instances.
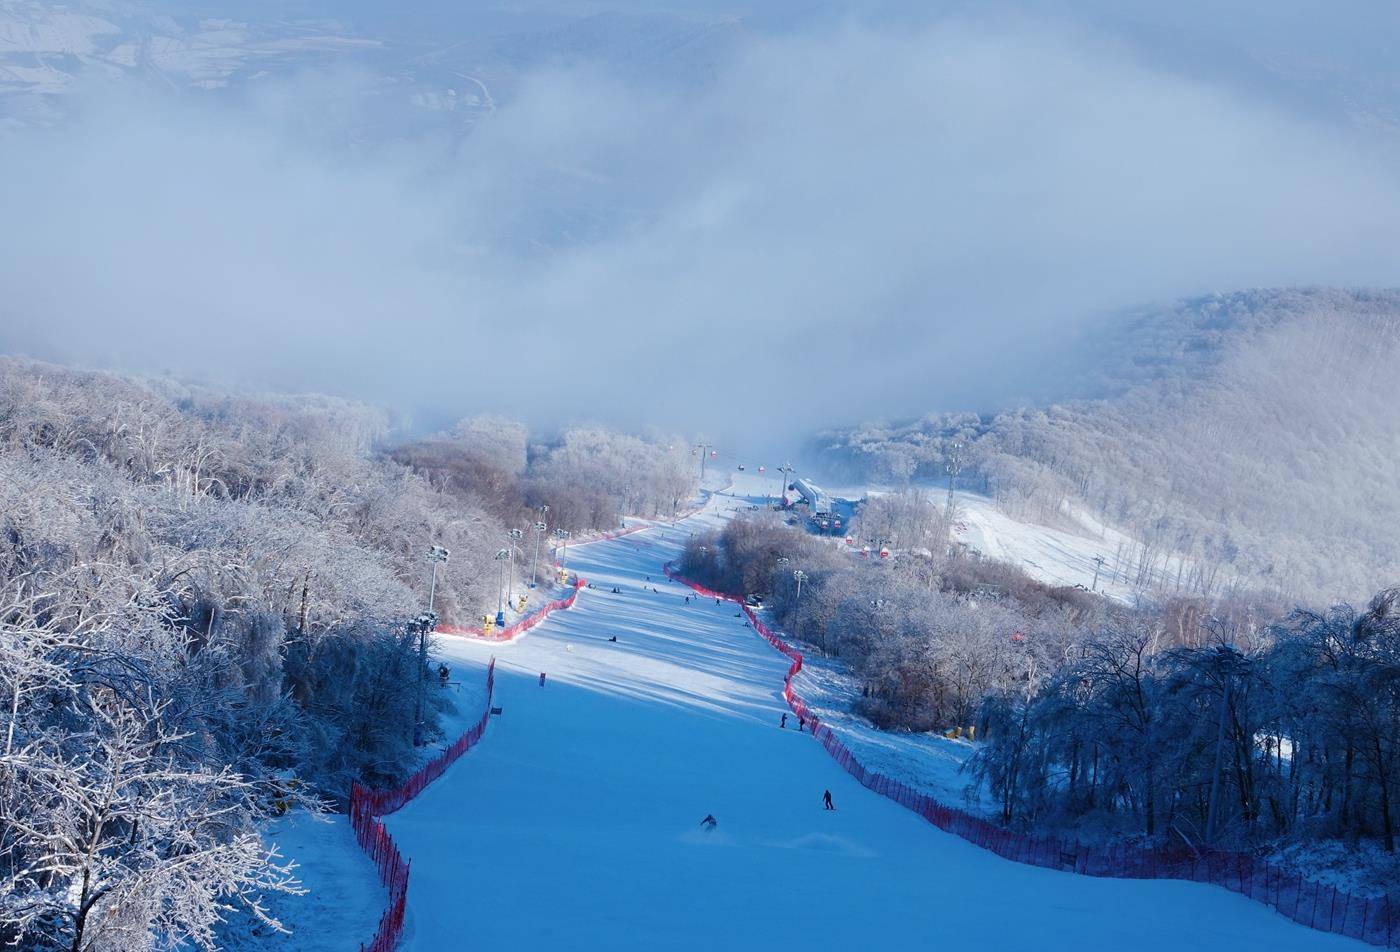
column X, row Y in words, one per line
column 1245, row 439
column 440, row 56
column 431, row 61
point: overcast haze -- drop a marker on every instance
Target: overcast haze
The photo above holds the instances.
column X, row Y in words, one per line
column 807, row 218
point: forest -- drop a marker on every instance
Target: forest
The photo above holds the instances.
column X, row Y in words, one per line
column 1243, row 441
column 206, row 618
column 1206, row 723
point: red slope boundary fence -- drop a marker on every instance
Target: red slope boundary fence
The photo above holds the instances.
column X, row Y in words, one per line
column 1313, row 904
column 530, row 621
column 367, row 806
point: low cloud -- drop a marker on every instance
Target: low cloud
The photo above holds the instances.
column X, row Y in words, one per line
column 836, row 225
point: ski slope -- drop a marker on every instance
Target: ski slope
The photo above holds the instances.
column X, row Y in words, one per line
column 575, row 824
column 1053, row 556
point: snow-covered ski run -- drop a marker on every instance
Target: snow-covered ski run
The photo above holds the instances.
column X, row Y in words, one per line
column 577, row 821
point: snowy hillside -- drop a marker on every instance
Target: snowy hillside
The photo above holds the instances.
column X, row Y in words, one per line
column 577, row 821
column 1052, row 555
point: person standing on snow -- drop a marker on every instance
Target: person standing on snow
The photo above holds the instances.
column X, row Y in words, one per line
column 826, row 800
column 783, row 722
column 541, row 679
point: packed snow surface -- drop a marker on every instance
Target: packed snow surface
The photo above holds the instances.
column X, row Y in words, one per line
column 576, row 823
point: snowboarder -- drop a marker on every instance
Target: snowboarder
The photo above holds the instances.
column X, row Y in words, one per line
column 826, row 800
column 709, row 823
column 541, row 679
column 613, row 638
column 783, row 722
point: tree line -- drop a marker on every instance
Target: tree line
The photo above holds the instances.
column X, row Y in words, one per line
column 204, row 600
column 1235, row 439
column 1208, row 723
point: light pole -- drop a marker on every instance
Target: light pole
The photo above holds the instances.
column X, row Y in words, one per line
column 540, row 528
column 705, row 450
column 563, row 536
column 426, row 622
column 436, row 554
column 501, row 556
column 1098, row 565
column 514, row 536
column 801, row 577
column 786, row 469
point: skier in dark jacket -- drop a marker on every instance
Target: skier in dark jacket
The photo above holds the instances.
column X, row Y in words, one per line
column 709, row 823
column 826, row 800
column 783, row 722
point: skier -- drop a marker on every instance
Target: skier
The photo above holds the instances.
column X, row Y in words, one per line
column 826, row 800
column 613, row 639
column 783, row 722
column 709, row 823
column 541, row 679
column 801, row 721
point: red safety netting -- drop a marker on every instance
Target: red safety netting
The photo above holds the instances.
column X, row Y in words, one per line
column 1322, row 907
column 366, row 806
column 539, row 615
column 523, row 625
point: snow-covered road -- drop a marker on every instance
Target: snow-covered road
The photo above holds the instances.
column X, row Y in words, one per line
column 576, row 823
